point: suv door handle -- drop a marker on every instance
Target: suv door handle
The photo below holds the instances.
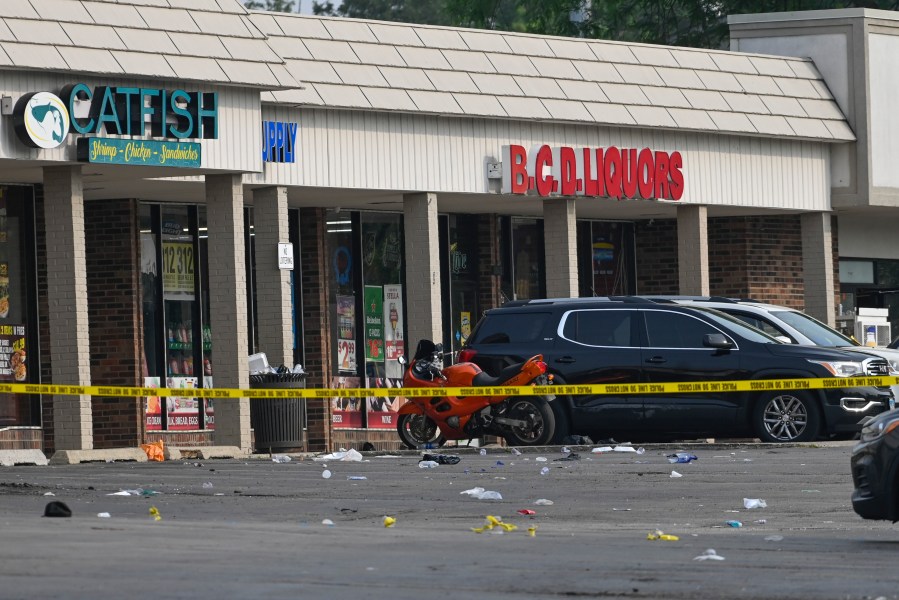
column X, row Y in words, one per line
column 566, row 359
column 656, row 360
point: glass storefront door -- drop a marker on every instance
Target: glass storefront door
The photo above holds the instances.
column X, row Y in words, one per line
column 366, row 303
column 177, row 335
column 19, row 352
column 606, row 258
column 461, row 310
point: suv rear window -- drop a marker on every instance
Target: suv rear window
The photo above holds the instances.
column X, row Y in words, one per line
column 599, row 327
column 509, row 328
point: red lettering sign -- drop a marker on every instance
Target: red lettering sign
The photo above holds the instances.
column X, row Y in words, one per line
column 595, row 172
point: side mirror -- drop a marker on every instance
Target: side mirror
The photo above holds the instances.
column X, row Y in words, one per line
column 401, row 359
column 717, row 340
column 783, row 338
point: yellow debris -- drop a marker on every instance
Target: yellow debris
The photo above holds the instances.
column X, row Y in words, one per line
column 389, row 521
column 154, row 512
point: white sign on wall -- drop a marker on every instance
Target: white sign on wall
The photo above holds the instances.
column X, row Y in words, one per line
column 285, row 256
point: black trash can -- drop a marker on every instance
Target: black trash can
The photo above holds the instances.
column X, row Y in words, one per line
column 278, row 423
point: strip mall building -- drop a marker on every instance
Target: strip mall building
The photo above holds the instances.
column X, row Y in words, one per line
column 164, row 164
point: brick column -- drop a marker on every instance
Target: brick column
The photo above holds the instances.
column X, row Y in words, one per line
column 68, row 316
column 316, row 280
column 272, row 283
column 693, row 250
column 817, row 266
column 560, row 246
column 425, row 320
column 228, row 306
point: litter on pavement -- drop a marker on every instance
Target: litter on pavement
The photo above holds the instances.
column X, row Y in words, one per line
column 389, row 521
column 154, row 512
column 492, row 522
column 441, row 459
column 661, row 536
column 57, row 509
column 280, row 458
column 734, row 524
column 344, row 455
column 754, row 503
column 675, row 474
column 326, row 474
column 482, row 494
column 428, row 464
column 543, row 502
column 709, row 554
column 681, row 457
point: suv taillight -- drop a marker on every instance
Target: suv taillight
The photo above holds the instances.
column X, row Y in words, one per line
column 467, row 355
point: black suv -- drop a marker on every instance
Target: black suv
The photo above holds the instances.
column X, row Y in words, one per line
column 630, row 339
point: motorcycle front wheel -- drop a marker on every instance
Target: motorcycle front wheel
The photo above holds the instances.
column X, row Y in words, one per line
column 541, row 423
column 419, row 430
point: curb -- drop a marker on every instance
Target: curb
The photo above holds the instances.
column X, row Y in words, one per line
column 10, row 458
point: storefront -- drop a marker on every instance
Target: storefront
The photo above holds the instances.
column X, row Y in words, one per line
column 412, row 176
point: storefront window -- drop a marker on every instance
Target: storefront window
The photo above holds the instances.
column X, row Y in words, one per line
column 606, row 260
column 462, row 259
column 19, row 359
column 528, row 265
column 342, row 304
column 177, row 338
column 367, row 311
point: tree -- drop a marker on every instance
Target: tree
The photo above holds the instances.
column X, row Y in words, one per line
column 273, row 5
column 426, row 12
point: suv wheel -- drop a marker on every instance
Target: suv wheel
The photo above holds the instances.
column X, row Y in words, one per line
column 786, row 417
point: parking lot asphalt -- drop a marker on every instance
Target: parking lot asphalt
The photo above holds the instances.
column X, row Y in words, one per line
column 257, row 528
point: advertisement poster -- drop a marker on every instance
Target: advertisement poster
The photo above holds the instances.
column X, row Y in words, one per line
column 178, row 270
column 183, row 413
column 346, row 334
column 382, row 411
column 394, row 345
column 12, row 353
column 210, row 408
column 153, row 407
column 346, row 317
column 346, row 413
column 4, row 290
column 464, row 325
column 374, row 323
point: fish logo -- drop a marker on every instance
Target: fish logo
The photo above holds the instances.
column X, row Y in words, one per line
column 42, row 120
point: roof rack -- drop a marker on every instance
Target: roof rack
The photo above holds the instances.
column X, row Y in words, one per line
column 584, row 299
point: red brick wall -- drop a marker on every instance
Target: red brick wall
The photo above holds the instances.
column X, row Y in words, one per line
column 758, row 258
column 315, row 276
column 488, row 257
column 114, row 312
column 749, row 257
column 43, row 318
column 656, row 252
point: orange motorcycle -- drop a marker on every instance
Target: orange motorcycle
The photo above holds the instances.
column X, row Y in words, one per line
column 429, row 421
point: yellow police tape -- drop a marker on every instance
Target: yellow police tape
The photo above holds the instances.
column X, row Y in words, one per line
column 759, row 385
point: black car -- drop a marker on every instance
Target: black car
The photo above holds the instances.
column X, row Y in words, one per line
column 620, row 340
column 875, row 461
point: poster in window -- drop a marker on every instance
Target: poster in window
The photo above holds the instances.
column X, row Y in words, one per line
column 12, row 353
column 210, row 408
column 394, row 344
column 346, row 317
column 153, row 406
column 178, row 270
column 183, row 413
column 382, row 412
column 4, row 290
column 374, row 323
column 346, row 412
column 464, row 326
column 346, row 356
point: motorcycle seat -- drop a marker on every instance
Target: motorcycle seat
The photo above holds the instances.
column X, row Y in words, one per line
column 485, row 379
